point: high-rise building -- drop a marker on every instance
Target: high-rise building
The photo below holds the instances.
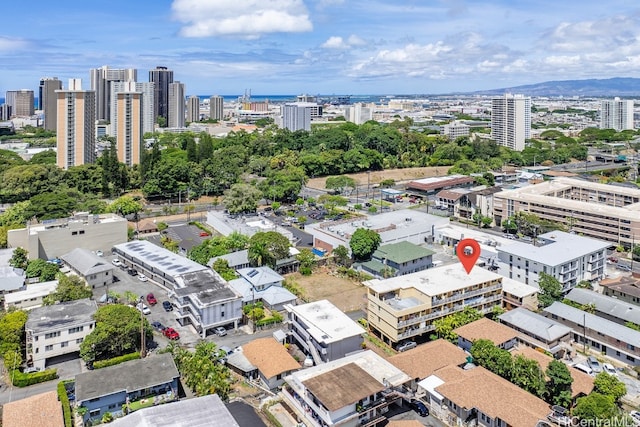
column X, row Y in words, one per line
column 161, row 77
column 176, row 105
column 216, row 107
column 511, row 120
column 128, row 123
column 297, row 116
column 48, row 101
column 616, row 114
column 21, row 102
column 147, row 90
column 193, row 109
column 359, row 113
column 75, row 131
column 5, row 111
column 101, row 80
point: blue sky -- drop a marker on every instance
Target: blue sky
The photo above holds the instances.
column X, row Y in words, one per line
column 322, row 46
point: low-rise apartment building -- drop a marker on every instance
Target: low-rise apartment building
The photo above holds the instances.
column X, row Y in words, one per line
column 600, row 211
column 624, row 288
column 398, row 259
column 31, row 297
column 516, row 294
column 58, row 329
column 568, row 257
column 322, row 331
column 537, row 331
column 405, row 307
column 605, row 306
column 95, row 270
column 52, row 238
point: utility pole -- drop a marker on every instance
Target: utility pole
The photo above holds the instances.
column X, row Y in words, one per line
column 143, row 351
column 584, row 332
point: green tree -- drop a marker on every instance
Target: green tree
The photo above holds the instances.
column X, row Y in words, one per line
column 125, row 205
column 559, row 384
column 236, row 241
column 550, row 290
column 444, row 326
column 595, row 407
column 497, row 360
column 70, row 288
column 307, row 260
column 340, row 183
column 46, row 271
column 527, row 374
column 242, row 198
column 221, row 266
column 609, row 385
column 341, row 255
column 265, row 248
column 117, row 332
column 364, row 243
column 19, row 259
column 12, row 331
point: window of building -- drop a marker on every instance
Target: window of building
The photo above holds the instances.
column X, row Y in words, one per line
column 51, row 335
column 76, row 330
column 48, row 348
column 81, row 232
column 64, row 344
column 79, row 340
column 74, row 233
column 222, row 314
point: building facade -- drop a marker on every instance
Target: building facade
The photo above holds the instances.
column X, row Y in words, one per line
column 161, row 77
column 147, row 91
column 455, row 130
column 48, row 101
column 193, row 109
column 296, row 116
column 216, row 107
column 511, row 120
column 58, row 329
column 101, row 80
column 405, row 307
column 21, row 101
column 616, row 114
column 75, row 129
column 177, row 105
column 129, row 123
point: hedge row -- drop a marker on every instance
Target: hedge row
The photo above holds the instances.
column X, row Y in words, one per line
column 66, row 406
column 116, row 360
column 20, row 379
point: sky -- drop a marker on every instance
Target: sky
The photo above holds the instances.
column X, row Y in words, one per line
column 328, row 47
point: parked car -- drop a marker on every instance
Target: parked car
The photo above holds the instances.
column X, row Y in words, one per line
column 623, row 267
column 612, row 259
column 636, row 417
column 594, row 364
column 167, row 306
column 31, row 370
column 143, row 308
column 220, row 331
column 584, row 368
column 204, row 234
column 100, row 253
column 151, row 299
column 407, row 345
column 142, row 277
column 419, row 407
column 116, row 262
column 157, row 326
column 171, row 333
column 132, row 272
column 609, row 369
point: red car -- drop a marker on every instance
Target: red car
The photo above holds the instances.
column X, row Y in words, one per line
column 171, row 333
column 151, row 299
column 204, row 234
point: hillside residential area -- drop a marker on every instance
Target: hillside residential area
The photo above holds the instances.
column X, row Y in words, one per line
column 292, row 263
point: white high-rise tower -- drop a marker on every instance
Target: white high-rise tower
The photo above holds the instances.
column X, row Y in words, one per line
column 511, row 120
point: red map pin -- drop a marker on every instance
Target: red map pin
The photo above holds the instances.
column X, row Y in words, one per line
column 468, row 251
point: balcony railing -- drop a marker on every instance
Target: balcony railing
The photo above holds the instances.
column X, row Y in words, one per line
column 464, row 295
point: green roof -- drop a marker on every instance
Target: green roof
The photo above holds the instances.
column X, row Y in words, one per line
column 374, row 265
column 401, row 252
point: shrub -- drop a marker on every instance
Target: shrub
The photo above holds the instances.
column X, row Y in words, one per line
column 305, row 271
column 116, row 360
column 66, row 406
column 20, row 379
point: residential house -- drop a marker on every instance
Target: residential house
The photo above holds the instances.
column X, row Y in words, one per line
column 624, row 288
column 11, row 279
column 486, row 329
column 352, row 391
column 449, row 200
column 40, row 410
column 568, row 257
column 406, row 307
column 95, row 270
column 236, row 260
column 537, row 331
column 144, row 226
column 609, row 338
column 398, row 259
column 56, row 330
column 31, row 297
column 322, row 331
column 194, row 412
column 262, row 284
column 516, row 294
column 109, row 389
column 426, row 186
column 271, row 359
column 52, row 238
column 606, row 307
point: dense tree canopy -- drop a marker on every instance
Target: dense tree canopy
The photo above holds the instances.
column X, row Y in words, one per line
column 265, row 248
column 550, row 290
column 12, row 331
column 558, row 384
column 364, row 243
column 70, row 288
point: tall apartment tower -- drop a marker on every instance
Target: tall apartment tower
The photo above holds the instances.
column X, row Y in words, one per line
column 176, row 105
column 48, row 101
column 75, row 130
column 193, row 109
column 161, row 77
column 21, row 102
column 511, row 120
column 296, row 116
column 147, row 90
column 616, row 114
column 5, row 111
column 101, row 81
column 128, row 124
column 216, row 107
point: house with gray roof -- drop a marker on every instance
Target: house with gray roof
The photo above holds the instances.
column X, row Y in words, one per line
column 607, row 307
column 538, row 331
column 609, row 338
column 262, row 284
column 235, row 260
column 569, row 258
column 96, row 270
column 55, row 330
column 398, row 259
column 11, row 279
column 108, row 389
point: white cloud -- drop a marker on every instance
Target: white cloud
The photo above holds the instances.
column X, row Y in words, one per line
column 241, row 18
column 334, row 42
column 10, row 44
column 354, row 40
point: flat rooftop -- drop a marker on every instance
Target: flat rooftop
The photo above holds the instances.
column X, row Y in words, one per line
column 159, row 258
column 33, row 291
column 325, row 322
column 206, row 286
column 63, row 315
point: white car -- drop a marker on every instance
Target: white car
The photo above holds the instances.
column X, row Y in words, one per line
column 142, row 277
column 100, row 253
column 635, row 415
column 609, row 369
column 143, row 308
column 116, row 262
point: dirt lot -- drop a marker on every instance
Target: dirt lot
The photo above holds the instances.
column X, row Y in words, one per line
column 346, row 294
column 398, row 175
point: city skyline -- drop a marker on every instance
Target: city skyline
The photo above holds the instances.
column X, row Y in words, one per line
column 324, row 46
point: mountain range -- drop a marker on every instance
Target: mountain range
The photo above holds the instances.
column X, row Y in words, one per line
column 616, row 86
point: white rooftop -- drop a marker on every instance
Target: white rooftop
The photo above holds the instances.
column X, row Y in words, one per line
column 326, row 323
column 517, row 289
column 435, row 179
column 159, row 258
column 560, row 248
column 435, row 281
column 34, row 290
